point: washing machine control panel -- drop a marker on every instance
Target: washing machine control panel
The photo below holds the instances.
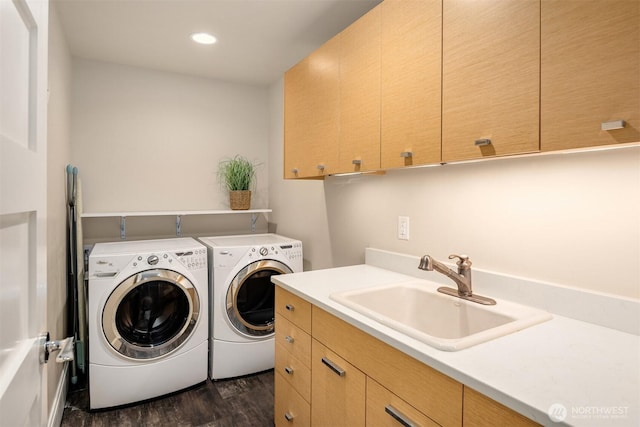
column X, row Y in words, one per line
column 193, row 259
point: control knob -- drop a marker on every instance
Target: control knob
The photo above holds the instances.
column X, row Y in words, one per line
column 153, row 260
column 264, row 251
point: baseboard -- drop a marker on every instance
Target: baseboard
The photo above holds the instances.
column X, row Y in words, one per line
column 57, row 408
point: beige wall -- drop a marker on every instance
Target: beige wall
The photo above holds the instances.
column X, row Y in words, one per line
column 571, row 219
column 146, row 140
column 58, row 156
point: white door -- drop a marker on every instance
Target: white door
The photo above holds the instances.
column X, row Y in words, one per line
column 23, row 155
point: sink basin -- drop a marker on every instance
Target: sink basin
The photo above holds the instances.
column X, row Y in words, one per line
column 441, row 321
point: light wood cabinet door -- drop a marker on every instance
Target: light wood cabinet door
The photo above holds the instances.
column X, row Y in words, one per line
column 337, row 390
column 590, row 72
column 311, row 114
column 481, row 411
column 411, row 82
column 385, row 409
column 491, row 78
column 360, row 94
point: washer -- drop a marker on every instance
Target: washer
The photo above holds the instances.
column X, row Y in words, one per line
column 147, row 318
column 242, row 299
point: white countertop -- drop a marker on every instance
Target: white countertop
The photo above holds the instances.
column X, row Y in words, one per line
column 591, row 370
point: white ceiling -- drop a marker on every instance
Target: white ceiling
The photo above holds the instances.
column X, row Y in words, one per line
column 257, row 39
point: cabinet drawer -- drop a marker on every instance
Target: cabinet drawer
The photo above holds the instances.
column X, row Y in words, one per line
column 294, row 340
column 431, row 392
column 481, row 411
column 293, row 371
column 337, row 390
column 294, row 309
column 290, row 409
column 385, row 409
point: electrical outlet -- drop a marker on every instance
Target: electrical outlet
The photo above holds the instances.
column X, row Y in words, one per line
column 403, row 227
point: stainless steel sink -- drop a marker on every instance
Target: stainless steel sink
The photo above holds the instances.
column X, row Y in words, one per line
column 439, row 320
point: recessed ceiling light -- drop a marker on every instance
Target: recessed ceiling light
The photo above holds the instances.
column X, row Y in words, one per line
column 203, row 38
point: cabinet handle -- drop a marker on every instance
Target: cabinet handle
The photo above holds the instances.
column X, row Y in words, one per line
column 406, row 154
column 288, row 370
column 335, row 368
column 289, row 339
column 289, row 307
column 356, row 162
column 399, row 416
column 320, row 167
column 613, row 125
column 294, row 171
column 288, row 416
column 482, row 142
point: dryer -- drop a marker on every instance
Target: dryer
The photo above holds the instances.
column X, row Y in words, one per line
column 242, row 299
column 147, row 319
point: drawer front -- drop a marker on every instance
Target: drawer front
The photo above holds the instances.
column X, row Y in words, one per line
column 337, row 390
column 294, row 309
column 290, row 409
column 294, row 340
column 482, row 411
column 294, row 372
column 431, row 392
column 385, row 409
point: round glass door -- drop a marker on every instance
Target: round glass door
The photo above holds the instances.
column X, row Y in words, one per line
column 251, row 298
column 150, row 314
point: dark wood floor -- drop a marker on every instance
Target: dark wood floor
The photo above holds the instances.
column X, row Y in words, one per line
column 239, row 402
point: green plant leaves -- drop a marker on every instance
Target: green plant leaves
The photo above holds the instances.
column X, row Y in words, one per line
column 237, row 173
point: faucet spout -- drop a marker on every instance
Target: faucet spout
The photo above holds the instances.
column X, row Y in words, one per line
column 462, row 277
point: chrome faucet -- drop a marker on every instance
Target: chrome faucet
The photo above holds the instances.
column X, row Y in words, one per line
column 462, row 278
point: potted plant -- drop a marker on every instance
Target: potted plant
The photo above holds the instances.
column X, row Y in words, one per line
column 237, row 176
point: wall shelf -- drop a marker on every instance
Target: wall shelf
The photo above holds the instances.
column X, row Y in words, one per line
column 178, row 214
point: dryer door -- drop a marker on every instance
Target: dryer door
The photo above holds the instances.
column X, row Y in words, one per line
column 150, row 314
column 251, row 295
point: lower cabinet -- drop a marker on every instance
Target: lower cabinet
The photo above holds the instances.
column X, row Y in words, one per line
column 292, row 361
column 356, row 380
column 337, row 390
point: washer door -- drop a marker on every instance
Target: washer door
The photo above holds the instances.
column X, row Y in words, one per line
column 250, row 298
column 150, row 314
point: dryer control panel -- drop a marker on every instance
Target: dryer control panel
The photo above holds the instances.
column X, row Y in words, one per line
column 291, row 251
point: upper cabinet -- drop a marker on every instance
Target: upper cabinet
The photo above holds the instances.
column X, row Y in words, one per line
column 417, row 82
column 411, row 75
column 590, row 73
column 312, row 114
column 491, row 78
column 360, row 94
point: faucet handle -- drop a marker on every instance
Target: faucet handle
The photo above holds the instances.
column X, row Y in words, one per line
column 463, row 261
